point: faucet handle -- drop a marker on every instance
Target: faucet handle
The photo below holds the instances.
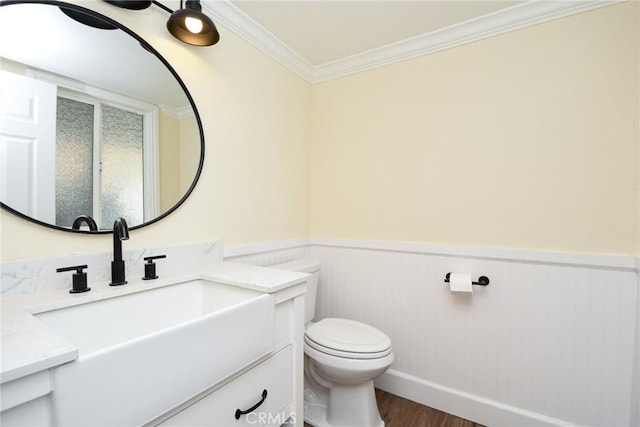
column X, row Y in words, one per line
column 79, row 278
column 150, row 267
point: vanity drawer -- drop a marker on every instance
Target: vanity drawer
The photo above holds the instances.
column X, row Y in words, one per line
column 219, row 408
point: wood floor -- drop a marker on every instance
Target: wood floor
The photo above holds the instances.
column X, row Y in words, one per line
column 399, row 412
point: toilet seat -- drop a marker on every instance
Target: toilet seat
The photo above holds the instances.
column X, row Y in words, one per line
column 348, row 339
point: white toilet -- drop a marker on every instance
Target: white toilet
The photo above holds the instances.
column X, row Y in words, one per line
column 342, row 358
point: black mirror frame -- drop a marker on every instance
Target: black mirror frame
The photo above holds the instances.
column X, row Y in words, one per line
column 149, row 48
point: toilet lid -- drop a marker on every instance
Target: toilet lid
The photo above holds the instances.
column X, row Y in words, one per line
column 348, row 338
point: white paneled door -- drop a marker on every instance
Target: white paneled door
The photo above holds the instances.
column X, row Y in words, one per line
column 27, row 145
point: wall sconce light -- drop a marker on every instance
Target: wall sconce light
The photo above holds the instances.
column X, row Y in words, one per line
column 188, row 23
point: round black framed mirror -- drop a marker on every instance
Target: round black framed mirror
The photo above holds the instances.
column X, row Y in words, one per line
column 94, row 122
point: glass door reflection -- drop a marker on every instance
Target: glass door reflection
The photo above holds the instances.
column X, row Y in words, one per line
column 101, row 148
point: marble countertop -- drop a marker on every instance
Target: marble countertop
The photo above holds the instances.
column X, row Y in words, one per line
column 29, row 346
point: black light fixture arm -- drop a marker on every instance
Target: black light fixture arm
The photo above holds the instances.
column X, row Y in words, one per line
column 161, row 6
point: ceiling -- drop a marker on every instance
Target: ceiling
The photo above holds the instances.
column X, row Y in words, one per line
column 324, row 39
column 316, row 39
column 327, row 31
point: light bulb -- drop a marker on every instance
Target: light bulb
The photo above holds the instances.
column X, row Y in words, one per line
column 193, row 24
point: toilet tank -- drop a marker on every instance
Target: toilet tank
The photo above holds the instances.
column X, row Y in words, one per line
column 311, row 267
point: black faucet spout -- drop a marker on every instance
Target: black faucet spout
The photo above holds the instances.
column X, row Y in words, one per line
column 87, row 220
column 120, row 233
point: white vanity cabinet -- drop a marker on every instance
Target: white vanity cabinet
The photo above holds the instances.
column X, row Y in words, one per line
column 24, row 401
column 241, row 344
column 274, row 386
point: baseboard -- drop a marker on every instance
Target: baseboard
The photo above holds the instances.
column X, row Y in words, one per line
column 465, row 405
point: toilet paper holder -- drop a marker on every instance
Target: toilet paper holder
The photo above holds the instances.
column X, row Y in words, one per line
column 482, row 280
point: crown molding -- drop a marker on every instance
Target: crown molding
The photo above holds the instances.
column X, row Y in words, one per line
column 229, row 16
column 179, row 113
column 509, row 19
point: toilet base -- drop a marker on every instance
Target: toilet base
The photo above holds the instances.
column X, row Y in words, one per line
column 342, row 406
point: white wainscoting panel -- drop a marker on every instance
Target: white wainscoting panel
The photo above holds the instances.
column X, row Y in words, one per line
column 550, row 342
column 546, row 343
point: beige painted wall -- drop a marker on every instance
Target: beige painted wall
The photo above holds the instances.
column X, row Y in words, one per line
column 179, row 157
column 189, row 152
column 255, row 181
column 525, row 140
column 169, row 161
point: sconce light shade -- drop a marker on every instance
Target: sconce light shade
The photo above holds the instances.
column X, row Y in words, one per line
column 192, row 26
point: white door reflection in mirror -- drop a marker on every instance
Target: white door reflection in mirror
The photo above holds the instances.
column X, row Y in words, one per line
column 27, row 145
column 94, row 157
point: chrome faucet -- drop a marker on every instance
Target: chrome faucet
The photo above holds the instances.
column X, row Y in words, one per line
column 120, row 233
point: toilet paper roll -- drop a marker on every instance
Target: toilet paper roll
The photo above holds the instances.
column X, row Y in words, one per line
column 460, row 283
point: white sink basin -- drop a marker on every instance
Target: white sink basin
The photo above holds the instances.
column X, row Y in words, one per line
column 146, row 352
column 101, row 324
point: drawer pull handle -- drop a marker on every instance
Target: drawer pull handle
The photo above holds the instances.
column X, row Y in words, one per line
column 254, row 407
